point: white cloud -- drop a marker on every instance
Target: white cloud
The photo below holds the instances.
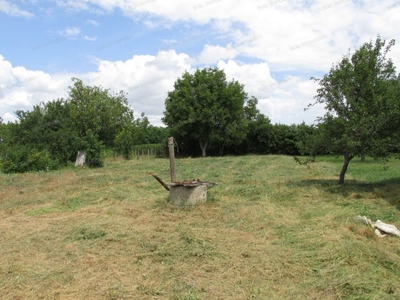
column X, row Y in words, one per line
column 274, row 99
column 280, row 24
column 73, row 5
column 7, row 117
column 145, row 78
column 169, row 42
column 92, row 39
column 13, row 10
column 6, row 71
column 212, row 54
column 288, row 100
column 70, row 31
column 255, row 77
column 92, row 22
column 282, row 101
column 21, row 89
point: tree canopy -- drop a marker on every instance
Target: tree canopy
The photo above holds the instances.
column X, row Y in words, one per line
column 53, row 132
column 361, row 98
column 97, row 109
column 206, row 108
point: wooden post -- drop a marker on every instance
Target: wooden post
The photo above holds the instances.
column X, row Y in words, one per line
column 172, row 158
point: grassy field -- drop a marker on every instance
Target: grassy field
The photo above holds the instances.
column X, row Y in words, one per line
column 272, row 229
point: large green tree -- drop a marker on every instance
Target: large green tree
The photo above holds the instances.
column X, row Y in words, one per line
column 40, row 140
column 206, row 108
column 99, row 116
column 52, row 133
column 361, row 102
column 103, row 112
column 47, row 126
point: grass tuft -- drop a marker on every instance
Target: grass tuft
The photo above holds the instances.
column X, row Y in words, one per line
column 85, row 233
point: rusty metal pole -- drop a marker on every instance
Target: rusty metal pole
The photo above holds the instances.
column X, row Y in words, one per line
column 172, row 158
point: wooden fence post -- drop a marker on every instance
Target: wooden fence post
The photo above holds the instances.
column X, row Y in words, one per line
column 171, row 158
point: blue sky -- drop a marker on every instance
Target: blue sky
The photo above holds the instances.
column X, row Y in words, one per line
column 142, row 47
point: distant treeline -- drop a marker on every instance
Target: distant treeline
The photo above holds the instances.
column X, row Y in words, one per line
column 263, row 138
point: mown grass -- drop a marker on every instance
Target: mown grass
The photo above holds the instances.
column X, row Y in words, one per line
column 272, row 229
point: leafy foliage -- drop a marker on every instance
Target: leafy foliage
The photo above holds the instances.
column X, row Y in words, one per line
column 89, row 120
column 96, row 109
column 206, row 109
column 259, row 130
column 308, row 140
column 22, row 159
column 125, row 141
column 155, row 134
column 361, row 103
column 93, row 146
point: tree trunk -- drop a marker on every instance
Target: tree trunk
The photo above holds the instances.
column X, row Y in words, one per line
column 221, row 150
column 347, row 159
column 362, row 157
column 203, row 146
column 80, row 158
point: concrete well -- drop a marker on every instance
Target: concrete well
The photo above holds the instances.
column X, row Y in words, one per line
column 188, row 195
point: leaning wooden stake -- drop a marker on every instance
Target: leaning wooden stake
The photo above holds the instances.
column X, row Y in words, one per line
column 172, row 158
column 161, row 181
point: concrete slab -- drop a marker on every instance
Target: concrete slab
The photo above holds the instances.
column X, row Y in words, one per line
column 188, row 195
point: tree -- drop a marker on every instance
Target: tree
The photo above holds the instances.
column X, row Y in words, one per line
column 51, row 134
column 206, row 108
column 309, row 140
column 155, row 135
column 44, row 134
column 259, row 129
column 26, row 147
column 284, row 139
column 99, row 117
column 360, row 102
column 126, row 139
column 99, row 110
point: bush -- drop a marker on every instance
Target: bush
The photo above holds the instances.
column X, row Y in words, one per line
column 124, row 142
column 93, row 158
column 93, row 150
column 20, row 160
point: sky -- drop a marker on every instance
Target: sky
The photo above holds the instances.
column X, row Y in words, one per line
column 142, row 47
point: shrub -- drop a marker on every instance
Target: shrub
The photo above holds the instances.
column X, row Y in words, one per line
column 93, row 150
column 21, row 159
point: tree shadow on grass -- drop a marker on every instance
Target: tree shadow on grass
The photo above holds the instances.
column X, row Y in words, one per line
column 385, row 189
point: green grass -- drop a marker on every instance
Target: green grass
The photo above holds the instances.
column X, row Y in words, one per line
column 272, row 229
